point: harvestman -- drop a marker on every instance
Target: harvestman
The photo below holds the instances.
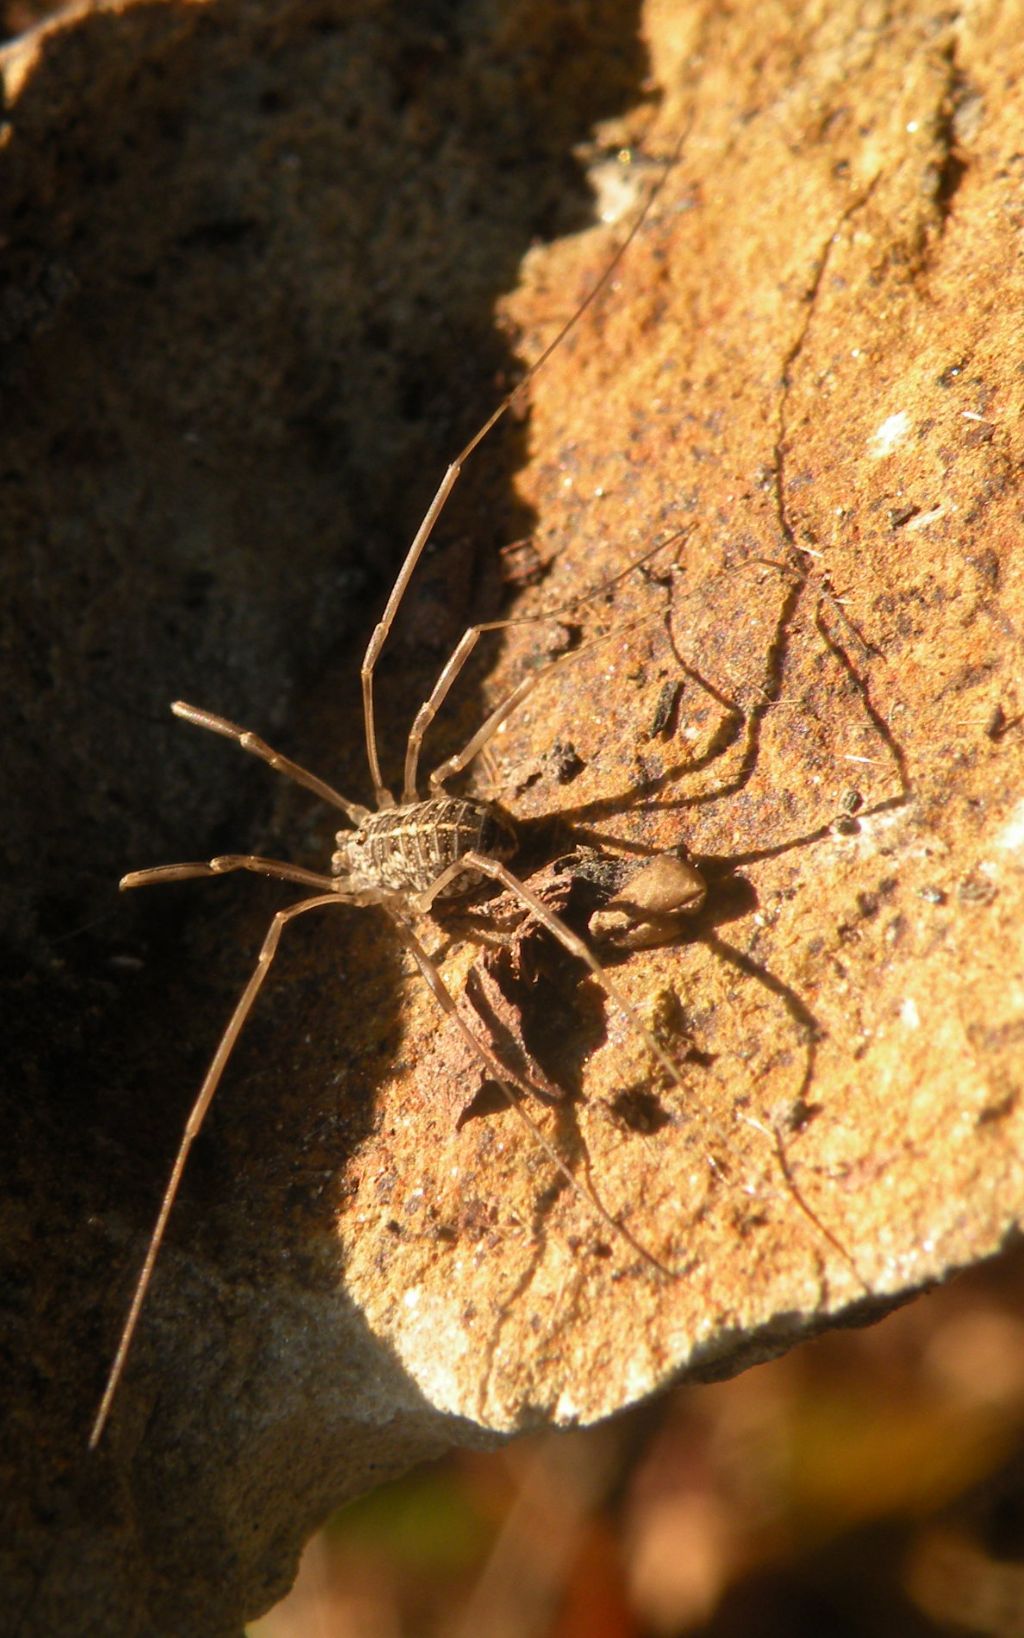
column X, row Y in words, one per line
column 405, row 856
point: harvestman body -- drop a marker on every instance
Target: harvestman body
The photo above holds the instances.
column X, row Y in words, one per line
column 404, row 857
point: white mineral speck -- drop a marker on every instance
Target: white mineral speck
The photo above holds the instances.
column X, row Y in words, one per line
column 892, row 432
column 1011, row 837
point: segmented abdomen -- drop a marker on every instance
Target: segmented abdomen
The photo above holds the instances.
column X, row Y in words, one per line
column 405, row 849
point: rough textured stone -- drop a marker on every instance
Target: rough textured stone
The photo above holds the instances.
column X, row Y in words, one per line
column 253, row 260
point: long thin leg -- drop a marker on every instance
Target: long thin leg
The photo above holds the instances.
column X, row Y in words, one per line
column 468, row 641
column 157, row 874
column 192, row 1125
column 490, row 725
column 281, row 764
column 576, row 946
column 570, row 941
column 505, row 1079
column 447, row 484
